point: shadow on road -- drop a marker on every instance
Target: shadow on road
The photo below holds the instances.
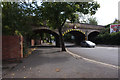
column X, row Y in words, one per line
column 45, row 56
column 72, row 46
column 44, row 46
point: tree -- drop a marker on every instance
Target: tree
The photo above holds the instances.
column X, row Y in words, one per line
column 87, row 19
column 92, row 20
column 14, row 18
column 17, row 19
column 56, row 13
column 116, row 21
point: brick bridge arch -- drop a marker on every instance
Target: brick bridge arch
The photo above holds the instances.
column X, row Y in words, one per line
column 69, row 30
column 92, row 35
column 41, row 30
column 78, row 35
column 85, row 29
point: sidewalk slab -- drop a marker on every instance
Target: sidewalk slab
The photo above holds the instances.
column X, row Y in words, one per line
column 7, row 67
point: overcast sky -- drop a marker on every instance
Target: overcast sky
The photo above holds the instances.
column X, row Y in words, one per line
column 108, row 11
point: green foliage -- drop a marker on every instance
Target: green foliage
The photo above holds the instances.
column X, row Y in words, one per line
column 92, row 21
column 116, row 21
column 107, row 38
column 17, row 19
column 18, row 16
column 56, row 13
column 106, row 30
column 87, row 19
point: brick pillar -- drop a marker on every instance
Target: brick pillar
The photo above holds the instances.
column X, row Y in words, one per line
column 21, row 43
column 40, row 41
column 86, row 35
column 32, row 42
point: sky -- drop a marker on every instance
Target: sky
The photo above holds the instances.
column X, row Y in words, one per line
column 107, row 12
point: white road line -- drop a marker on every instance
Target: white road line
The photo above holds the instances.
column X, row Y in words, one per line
column 78, row 56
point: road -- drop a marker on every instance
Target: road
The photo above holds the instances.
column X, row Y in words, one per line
column 107, row 55
column 51, row 63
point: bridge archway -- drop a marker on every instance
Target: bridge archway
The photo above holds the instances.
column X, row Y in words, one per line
column 76, row 36
column 92, row 35
column 41, row 31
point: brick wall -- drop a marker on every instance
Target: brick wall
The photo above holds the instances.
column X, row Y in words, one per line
column 12, row 47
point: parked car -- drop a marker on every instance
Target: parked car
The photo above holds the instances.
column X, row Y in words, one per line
column 87, row 44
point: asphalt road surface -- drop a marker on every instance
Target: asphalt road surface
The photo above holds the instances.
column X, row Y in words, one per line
column 51, row 63
column 107, row 55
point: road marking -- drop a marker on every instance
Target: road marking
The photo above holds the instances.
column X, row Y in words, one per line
column 78, row 56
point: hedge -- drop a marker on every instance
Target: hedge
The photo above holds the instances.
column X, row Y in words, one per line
column 107, row 38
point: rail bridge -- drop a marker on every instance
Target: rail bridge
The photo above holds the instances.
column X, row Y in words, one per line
column 79, row 30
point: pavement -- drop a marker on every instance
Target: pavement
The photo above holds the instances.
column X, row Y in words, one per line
column 7, row 66
column 50, row 62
